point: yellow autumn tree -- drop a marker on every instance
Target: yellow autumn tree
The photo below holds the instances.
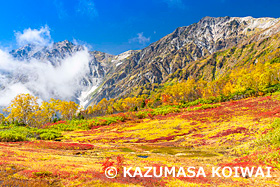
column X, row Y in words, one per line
column 67, row 109
column 129, row 103
column 110, row 108
column 185, row 91
column 22, row 109
column 2, row 118
column 103, row 106
column 118, row 105
column 48, row 110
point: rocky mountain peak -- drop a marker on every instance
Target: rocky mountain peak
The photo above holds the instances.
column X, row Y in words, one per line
column 181, row 48
column 65, row 43
column 124, row 55
column 53, row 53
column 214, row 19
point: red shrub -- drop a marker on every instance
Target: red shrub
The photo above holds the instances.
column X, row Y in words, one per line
column 60, row 145
column 230, row 131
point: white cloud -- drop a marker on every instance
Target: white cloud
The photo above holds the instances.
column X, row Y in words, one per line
column 141, row 39
column 87, row 7
column 175, row 4
column 39, row 37
column 42, row 78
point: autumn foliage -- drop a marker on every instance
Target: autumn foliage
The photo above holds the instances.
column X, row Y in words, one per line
column 25, row 109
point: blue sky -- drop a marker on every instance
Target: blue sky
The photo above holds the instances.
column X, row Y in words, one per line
column 115, row 26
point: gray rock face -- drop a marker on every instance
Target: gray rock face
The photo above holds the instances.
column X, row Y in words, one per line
column 175, row 51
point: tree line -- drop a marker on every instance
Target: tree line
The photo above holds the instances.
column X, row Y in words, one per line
column 242, row 82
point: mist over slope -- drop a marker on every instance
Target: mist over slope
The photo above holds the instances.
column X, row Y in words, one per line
column 48, row 70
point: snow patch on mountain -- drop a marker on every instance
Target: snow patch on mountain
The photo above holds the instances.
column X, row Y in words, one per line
column 85, row 96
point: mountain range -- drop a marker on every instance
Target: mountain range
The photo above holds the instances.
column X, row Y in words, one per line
column 207, row 49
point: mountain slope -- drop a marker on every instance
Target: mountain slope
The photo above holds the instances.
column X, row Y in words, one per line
column 208, row 49
column 178, row 50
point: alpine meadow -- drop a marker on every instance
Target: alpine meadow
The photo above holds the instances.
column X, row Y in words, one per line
column 198, row 107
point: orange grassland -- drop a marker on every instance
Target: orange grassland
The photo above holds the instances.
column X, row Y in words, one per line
column 229, row 135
